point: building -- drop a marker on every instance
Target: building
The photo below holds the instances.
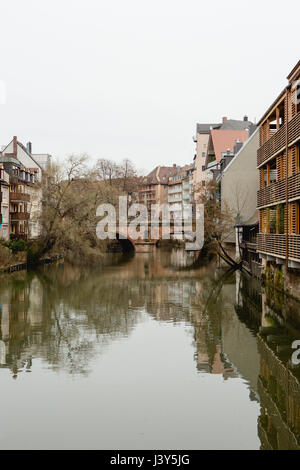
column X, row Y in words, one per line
column 213, row 140
column 246, row 245
column 21, row 181
column 4, row 203
column 180, row 195
column 278, row 162
column 201, row 141
column 154, row 187
column 29, row 174
column 239, row 185
column 226, row 137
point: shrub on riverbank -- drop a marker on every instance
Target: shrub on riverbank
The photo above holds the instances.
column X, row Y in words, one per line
column 8, row 257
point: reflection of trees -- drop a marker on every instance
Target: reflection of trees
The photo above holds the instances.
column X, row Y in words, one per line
column 65, row 315
column 279, row 390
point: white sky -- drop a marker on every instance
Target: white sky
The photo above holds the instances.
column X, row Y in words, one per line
column 130, row 78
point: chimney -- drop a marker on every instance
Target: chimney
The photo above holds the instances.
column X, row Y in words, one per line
column 224, row 119
column 29, row 147
column 238, row 146
column 15, row 146
column 245, row 118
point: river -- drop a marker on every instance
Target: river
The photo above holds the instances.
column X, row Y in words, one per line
column 148, row 352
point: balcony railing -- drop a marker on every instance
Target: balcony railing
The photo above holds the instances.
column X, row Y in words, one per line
column 294, row 246
column 275, row 244
column 294, row 128
column 277, row 141
column 294, row 186
column 19, row 197
column 275, row 192
column 175, row 198
column 19, row 216
column 272, row 146
column 175, row 190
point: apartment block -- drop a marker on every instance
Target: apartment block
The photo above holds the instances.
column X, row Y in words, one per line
column 4, row 203
column 180, row 192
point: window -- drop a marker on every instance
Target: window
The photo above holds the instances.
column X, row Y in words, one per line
column 273, row 171
column 272, row 220
column 280, row 218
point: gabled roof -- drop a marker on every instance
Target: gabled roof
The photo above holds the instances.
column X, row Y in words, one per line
column 237, row 155
column 205, row 128
column 160, row 175
column 223, row 139
column 235, row 124
column 25, row 150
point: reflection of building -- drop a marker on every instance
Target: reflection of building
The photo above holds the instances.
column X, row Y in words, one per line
column 279, row 391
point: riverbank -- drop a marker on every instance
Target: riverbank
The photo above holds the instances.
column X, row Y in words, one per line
column 23, row 265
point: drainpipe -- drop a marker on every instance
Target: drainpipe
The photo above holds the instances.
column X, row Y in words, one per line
column 286, row 179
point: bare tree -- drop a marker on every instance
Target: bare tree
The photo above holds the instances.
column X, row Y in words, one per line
column 217, row 222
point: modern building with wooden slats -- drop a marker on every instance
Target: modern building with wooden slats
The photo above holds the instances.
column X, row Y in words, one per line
column 278, row 161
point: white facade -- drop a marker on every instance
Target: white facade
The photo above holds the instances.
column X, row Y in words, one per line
column 4, row 185
column 240, row 183
column 29, row 162
column 180, row 197
column 43, row 159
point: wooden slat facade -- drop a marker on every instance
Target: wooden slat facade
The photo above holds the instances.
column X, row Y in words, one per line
column 275, row 192
column 278, row 161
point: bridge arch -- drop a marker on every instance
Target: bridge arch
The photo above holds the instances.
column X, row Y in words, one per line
column 126, row 243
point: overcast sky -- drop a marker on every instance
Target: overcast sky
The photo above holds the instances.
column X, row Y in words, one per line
column 130, row 78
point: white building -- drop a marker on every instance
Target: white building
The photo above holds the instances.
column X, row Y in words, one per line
column 4, row 203
column 180, row 196
column 35, row 164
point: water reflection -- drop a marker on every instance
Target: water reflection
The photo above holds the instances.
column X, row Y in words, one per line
column 68, row 317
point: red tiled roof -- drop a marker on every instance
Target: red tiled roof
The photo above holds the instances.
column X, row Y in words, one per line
column 226, row 139
column 160, row 175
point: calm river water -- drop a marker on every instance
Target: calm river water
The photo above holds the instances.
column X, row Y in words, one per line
column 145, row 354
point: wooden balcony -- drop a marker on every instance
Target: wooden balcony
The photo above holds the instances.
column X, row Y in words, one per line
column 294, row 247
column 294, row 186
column 19, row 216
column 272, row 146
column 277, row 141
column 22, row 197
column 294, row 129
column 271, row 194
column 275, row 244
column 275, row 192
